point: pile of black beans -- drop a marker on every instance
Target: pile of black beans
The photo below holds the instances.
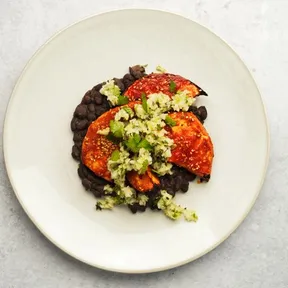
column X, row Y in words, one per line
column 93, row 105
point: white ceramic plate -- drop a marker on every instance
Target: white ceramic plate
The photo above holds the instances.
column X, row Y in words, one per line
column 38, row 140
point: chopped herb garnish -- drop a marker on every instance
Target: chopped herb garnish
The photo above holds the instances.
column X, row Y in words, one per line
column 128, row 110
column 144, row 167
column 172, row 87
column 112, row 138
column 155, row 171
column 115, row 155
column 145, row 144
column 117, row 128
column 132, row 144
column 137, row 138
column 122, row 100
column 169, row 121
column 144, row 102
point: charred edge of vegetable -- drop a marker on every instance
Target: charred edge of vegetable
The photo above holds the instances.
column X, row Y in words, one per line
column 201, row 91
column 205, row 178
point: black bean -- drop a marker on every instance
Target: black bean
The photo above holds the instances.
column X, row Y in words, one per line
column 177, row 183
column 84, row 169
column 106, row 104
column 190, row 177
column 101, row 181
column 172, row 180
column 155, row 192
column 198, row 117
column 86, row 183
column 79, row 145
column 167, row 185
column 91, row 107
column 75, row 152
column 128, row 80
column 153, row 200
column 98, row 98
column 73, row 124
column 177, row 171
column 98, row 87
column 81, row 172
column 141, row 208
column 120, row 84
column 91, row 116
column 96, row 193
column 81, row 111
column 100, row 110
column 137, row 71
column 86, row 99
column 166, row 182
column 193, row 109
column 171, row 191
column 202, row 112
column 137, row 207
column 91, row 176
column 94, row 178
column 133, row 208
column 77, row 137
column 82, row 124
column 184, row 186
column 97, row 186
column 162, row 182
column 83, row 132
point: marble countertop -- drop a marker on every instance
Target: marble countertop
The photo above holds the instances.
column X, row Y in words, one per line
column 256, row 255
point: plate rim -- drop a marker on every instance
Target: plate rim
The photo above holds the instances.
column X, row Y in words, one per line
column 34, row 221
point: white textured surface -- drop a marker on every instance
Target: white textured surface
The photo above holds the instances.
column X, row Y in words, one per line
column 256, row 255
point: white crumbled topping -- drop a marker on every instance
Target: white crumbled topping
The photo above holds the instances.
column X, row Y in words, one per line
column 190, row 215
column 108, row 189
column 169, row 208
column 112, row 91
column 181, row 101
column 172, row 210
column 142, row 199
column 156, row 123
column 154, row 134
column 128, row 192
column 126, row 163
column 139, row 160
column 108, row 202
column 140, row 112
column 160, row 69
column 125, row 195
column 163, row 147
column 119, row 167
column 162, row 168
column 148, row 126
column 122, row 114
column 158, row 102
column 104, row 132
column 135, row 126
column 165, row 200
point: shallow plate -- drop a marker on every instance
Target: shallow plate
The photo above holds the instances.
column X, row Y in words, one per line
column 38, row 140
